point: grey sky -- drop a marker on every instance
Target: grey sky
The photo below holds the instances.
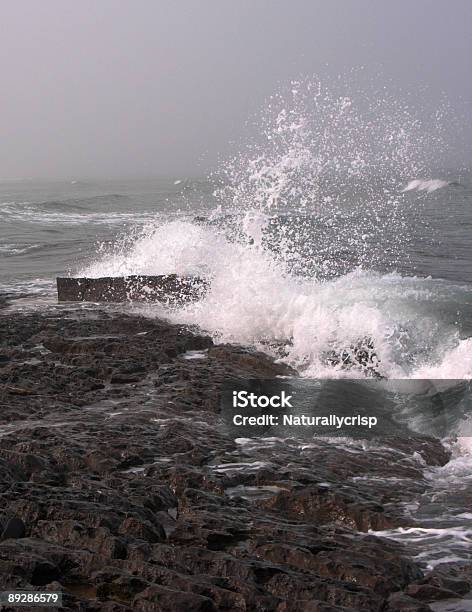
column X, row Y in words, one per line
column 145, row 88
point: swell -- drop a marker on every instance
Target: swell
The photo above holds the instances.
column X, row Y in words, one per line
column 59, row 210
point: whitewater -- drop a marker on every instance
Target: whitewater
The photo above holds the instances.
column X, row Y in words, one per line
column 254, row 301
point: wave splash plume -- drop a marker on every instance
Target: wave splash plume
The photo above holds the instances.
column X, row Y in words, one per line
column 311, row 220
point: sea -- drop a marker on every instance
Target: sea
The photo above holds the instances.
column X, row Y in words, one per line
column 333, row 229
column 303, row 282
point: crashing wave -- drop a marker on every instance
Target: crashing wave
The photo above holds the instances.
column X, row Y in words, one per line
column 304, row 216
column 254, row 301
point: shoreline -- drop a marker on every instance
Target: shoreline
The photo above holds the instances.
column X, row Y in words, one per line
column 128, row 493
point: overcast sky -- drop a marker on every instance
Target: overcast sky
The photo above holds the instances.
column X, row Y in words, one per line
column 159, row 87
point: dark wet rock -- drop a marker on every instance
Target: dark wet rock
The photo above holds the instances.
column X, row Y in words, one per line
column 322, row 505
column 26, row 562
column 310, row 606
column 454, row 579
column 249, row 363
column 367, row 567
column 429, row 592
column 399, row 602
column 161, row 599
column 14, row 528
column 123, row 379
column 132, row 496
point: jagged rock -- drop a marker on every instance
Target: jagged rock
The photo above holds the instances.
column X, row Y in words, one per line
column 399, row 602
column 429, row 592
column 162, row 599
column 452, row 578
column 134, row 497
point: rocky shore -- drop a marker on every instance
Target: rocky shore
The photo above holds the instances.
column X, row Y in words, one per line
column 120, row 486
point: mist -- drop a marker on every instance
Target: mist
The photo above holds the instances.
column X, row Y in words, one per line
column 164, row 88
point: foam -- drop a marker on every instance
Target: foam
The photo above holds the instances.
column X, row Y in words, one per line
column 44, row 213
column 428, row 185
column 455, row 363
column 254, row 300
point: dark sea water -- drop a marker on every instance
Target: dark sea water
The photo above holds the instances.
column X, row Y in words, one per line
column 52, row 227
column 57, row 221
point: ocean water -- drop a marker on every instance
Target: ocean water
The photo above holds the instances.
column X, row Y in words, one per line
column 337, row 227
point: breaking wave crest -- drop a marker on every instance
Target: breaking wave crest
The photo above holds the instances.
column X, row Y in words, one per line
column 254, row 300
